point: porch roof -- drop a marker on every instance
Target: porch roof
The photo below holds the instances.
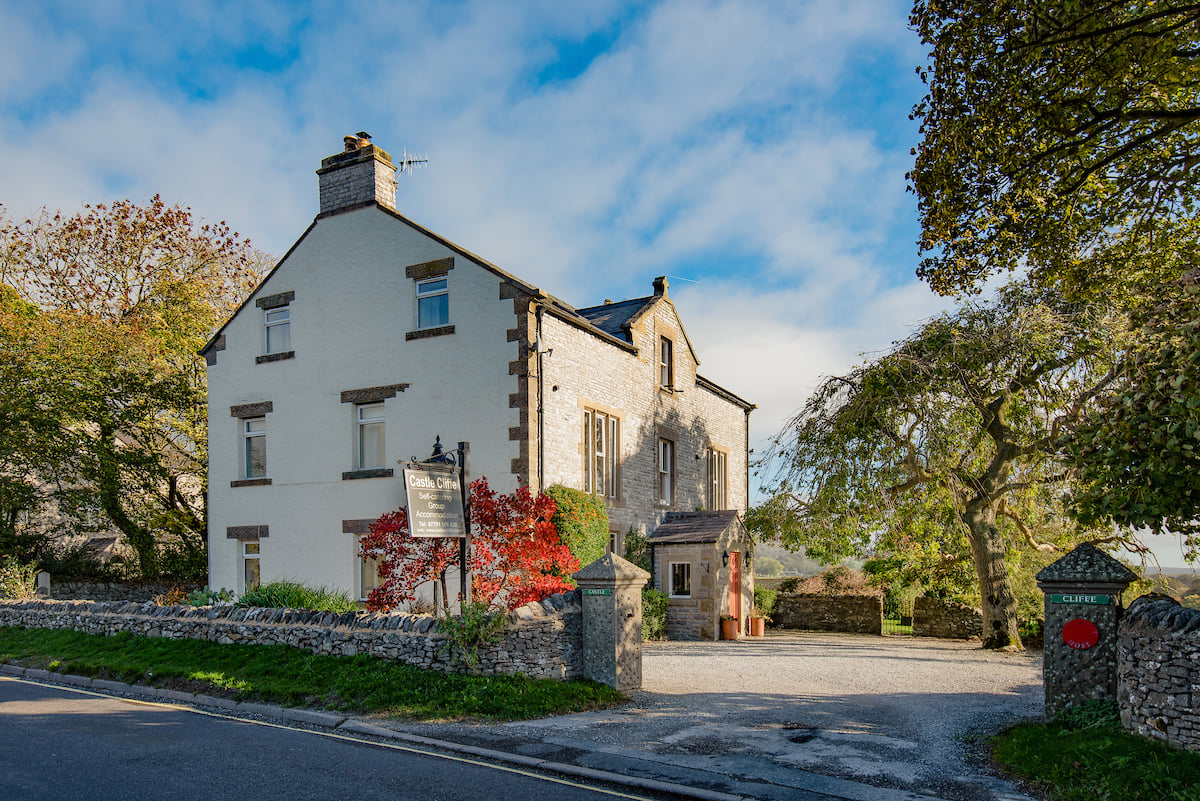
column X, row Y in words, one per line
column 694, row 527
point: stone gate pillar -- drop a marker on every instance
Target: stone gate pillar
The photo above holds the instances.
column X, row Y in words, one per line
column 1083, row 596
column 612, row 621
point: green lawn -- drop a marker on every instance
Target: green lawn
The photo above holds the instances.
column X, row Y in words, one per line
column 1084, row 755
column 291, row 677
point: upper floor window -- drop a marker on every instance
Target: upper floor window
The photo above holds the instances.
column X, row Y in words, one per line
column 666, row 362
column 666, row 471
column 279, row 332
column 433, row 303
column 254, row 434
column 601, row 449
column 717, row 479
column 370, row 436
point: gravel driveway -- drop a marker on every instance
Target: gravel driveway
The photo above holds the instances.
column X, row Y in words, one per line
column 799, row 716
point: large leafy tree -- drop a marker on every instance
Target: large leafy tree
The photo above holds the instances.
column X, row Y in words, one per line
column 104, row 312
column 955, row 435
column 1055, row 135
column 1063, row 138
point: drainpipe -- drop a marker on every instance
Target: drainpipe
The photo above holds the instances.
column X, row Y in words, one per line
column 746, row 502
column 537, row 345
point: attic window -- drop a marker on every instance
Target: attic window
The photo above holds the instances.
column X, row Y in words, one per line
column 277, row 327
column 666, row 362
column 432, row 290
column 433, row 303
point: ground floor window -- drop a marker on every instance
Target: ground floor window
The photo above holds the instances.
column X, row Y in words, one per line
column 368, row 574
column 250, row 565
column 681, row 580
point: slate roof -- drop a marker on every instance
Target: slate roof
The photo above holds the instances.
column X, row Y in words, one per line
column 1087, row 563
column 694, row 527
column 616, row 318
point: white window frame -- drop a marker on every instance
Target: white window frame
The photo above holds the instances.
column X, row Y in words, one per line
column 432, row 288
column 674, row 593
column 251, row 551
column 717, row 476
column 666, row 471
column 602, row 466
column 249, row 435
column 361, row 426
column 279, row 322
column 666, row 362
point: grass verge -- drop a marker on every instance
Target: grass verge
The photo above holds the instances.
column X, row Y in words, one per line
column 291, row 677
column 1085, row 755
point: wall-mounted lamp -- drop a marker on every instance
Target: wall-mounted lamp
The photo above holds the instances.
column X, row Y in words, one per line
column 725, row 559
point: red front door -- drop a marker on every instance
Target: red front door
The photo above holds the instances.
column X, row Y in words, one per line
column 735, row 586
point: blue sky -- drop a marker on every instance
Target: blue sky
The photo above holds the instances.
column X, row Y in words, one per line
column 754, row 152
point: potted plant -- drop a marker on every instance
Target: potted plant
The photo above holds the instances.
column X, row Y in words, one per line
column 758, row 623
column 729, row 627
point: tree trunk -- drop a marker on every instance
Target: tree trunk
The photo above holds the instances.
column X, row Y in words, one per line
column 109, row 483
column 1000, row 629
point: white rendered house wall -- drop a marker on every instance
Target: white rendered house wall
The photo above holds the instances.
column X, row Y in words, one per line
column 352, row 307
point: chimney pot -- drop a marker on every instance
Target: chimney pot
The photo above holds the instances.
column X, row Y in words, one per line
column 660, row 286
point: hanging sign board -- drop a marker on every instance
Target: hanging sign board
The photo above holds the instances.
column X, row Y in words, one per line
column 434, row 501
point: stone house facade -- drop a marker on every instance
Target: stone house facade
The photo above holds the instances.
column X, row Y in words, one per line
column 373, row 336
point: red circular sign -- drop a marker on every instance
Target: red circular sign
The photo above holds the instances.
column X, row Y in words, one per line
column 1080, row 633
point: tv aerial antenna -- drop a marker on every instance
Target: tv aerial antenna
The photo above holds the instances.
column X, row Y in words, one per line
column 409, row 163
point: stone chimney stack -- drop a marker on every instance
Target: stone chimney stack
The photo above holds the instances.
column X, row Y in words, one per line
column 362, row 173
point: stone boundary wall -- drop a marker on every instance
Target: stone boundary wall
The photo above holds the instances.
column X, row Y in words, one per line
column 856, row 614
column 542, row 639
column 1158, row 671
column 949, row 620
column 114, row 590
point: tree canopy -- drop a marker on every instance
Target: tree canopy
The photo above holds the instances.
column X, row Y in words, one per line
column 1062, row 139
column 948, row 447
column 1140, row 450
column 102, row 316
column 1054, row 135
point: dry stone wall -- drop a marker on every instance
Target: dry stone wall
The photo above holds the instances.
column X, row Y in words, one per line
column 1158, row 671
column 946, row 619
column 113, row 590
column 541, row 639
column 857, row 614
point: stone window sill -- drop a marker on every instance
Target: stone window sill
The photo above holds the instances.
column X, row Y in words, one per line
column 426, row 333
column 378, row 472
column 250, row 482
column 274, row 357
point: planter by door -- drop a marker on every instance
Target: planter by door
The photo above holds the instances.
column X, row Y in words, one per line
column 758, row 626
column 729, row 629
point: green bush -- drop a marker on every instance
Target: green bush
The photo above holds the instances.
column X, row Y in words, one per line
column 654, row 615
column 764, row 601
column 789, row 584
column 17, row 581
column 209, row 597
column 637, row 550
column 293, row 595
column 181, row 561
column 581, row 520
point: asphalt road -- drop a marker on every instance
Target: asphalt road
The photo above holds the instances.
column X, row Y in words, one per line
column 60, row 744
